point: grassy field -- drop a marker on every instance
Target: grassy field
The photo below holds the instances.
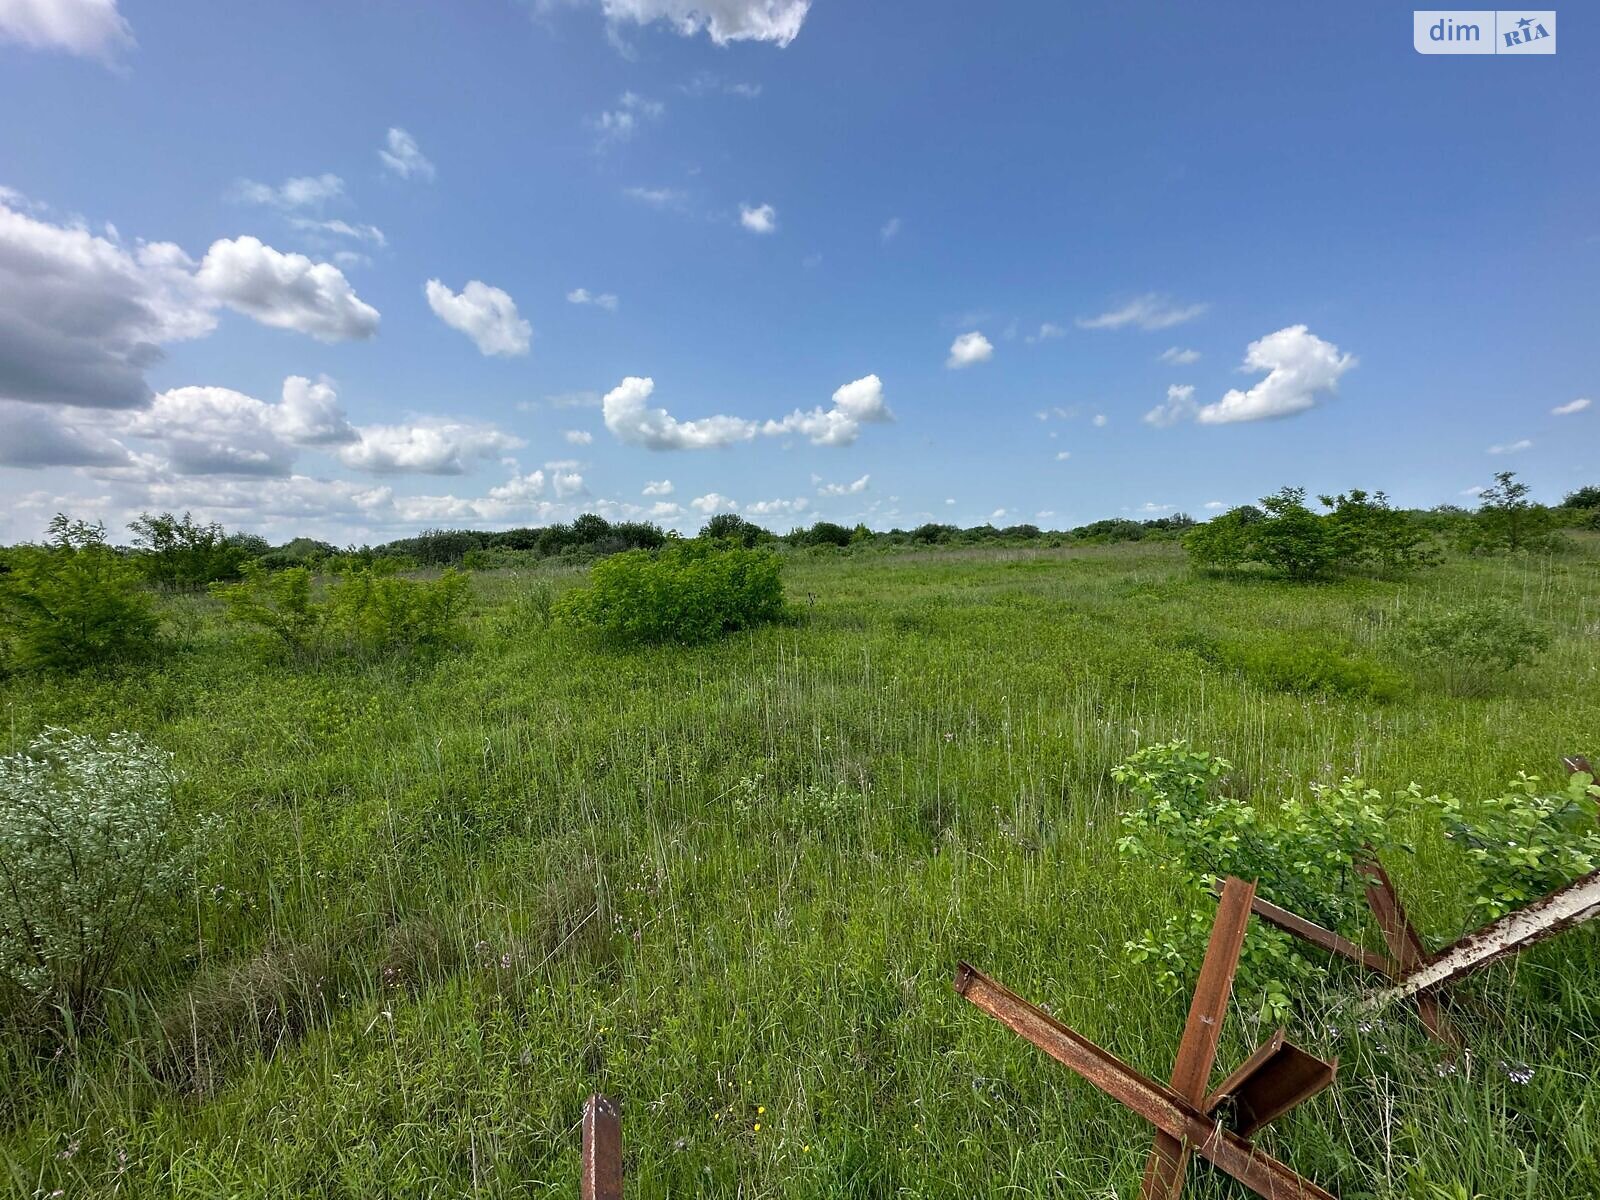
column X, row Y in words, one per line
column 729, row 886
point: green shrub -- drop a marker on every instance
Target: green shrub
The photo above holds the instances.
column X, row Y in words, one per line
column 1517, row 846
column 1508, row 521
column 1296, row 664
column 180, row 554
column 687, row 593
column 1474, row 648
column 1361, row 532
column 365, row 610
column 89, row 860
column 72, row 603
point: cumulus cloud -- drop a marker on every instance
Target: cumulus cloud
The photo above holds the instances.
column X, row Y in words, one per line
column 218, row 431
column 1048, row 331
column 428, row 447
column 857, row 403
column 1179, row 356
column 1570, row 407
column 285, row 291
column 968, row 349
column 1150, row 311
column 1098, row 420
column 89, row 28
column 485, row 314
column 303, row 191
column 1301, row 368
column 82, row 317
column 1516, row 447
column 658, row 487
column 579, row 437
column 1063, row 455
column 712, row 502
column 1179, row 404
column 631, row 420
column 774, row 508
column 401, row 154
column 37, row 436
column 761, row 219
column 725, row 21
column 854, row 488
column 603, row 300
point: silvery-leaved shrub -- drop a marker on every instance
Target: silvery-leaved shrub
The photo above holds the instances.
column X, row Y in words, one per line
column 88, row 863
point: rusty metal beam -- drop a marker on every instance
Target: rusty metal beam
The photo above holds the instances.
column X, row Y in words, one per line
column 1197, row 1050
column 1326, row 939
column 602, row 1149
column 1161, row 1106
column 1276, row 1078
column 1405, row 946
column 1572, row 905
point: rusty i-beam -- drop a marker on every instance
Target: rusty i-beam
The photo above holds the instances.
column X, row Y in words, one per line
column 1273, row 1080
column 1418, row 976
column 602, row 1149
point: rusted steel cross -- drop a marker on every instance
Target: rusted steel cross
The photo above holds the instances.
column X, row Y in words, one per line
column 1217, row 1126
column 1418, row 976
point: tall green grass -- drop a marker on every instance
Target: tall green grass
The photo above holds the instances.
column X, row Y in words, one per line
column 729, row 885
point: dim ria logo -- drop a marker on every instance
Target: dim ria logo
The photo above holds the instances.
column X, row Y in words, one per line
column 1484, row 31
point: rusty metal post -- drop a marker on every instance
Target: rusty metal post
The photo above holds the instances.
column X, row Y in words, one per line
column 1169, row 1112
column 1406, row 947
column 1197, row 1051
column 602, row 1149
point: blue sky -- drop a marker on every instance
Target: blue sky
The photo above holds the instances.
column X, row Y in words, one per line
column 881, row 262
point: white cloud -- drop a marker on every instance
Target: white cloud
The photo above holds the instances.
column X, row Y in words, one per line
column 1063, row 455
column 218, row 431
column 773, row 508
column 1047, row 332
column 967, row 349
column 303, row 191
column 1215, row 504
column 1180, row 357
column 658, row 487
column 285, row 291
column 660, row 197
column 763, row 219
column 665, row 510
column 359, row 233
column 39, row 436
column 1099, row 421
column 890, row 230
column 853, row 488
column 89, row 28
column 1150, row 311
column 857, row 403
column 430, row 447
column 1179, row 404
column 579, row 437
column 603, row 300
column 1570, row 407
column 621, row 123
column 1516, row 447
column 1301, row 367
column 485, row 314
column 628, row 418
column 712, row 502
column 404, row 157
column 82, row 317
column 584, row 399
column 725, row 21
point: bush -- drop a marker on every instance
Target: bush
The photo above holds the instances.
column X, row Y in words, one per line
column 88, row 859
column 1362, row 531
column 179, row 554
column 1508, row 521
column 72, row 603
column 1517, row 847
column 365, row 610
column 734, row 529
column 687, row 593
column 1368, row 532
column 1477, row 646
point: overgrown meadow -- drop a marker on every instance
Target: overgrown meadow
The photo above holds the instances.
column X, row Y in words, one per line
column 444, row 896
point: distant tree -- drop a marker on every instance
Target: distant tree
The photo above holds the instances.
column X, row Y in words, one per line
column 860, row 534
column 1293, row 539
column 1222, row 543
column 826, row 533
column 1584, row 497
column 1369, row 532
column 1507, row 520
column 180, row 554
column 735, row 530
column 931, row 534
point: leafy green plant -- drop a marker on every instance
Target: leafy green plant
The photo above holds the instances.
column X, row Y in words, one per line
column 72, row 603
column 364, row 610
column 1508, row 521
column 1362, row 531
column 1370, row 533
column 1474, row 648
column 88, row 857
column 180, row 554
column 687, row 593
